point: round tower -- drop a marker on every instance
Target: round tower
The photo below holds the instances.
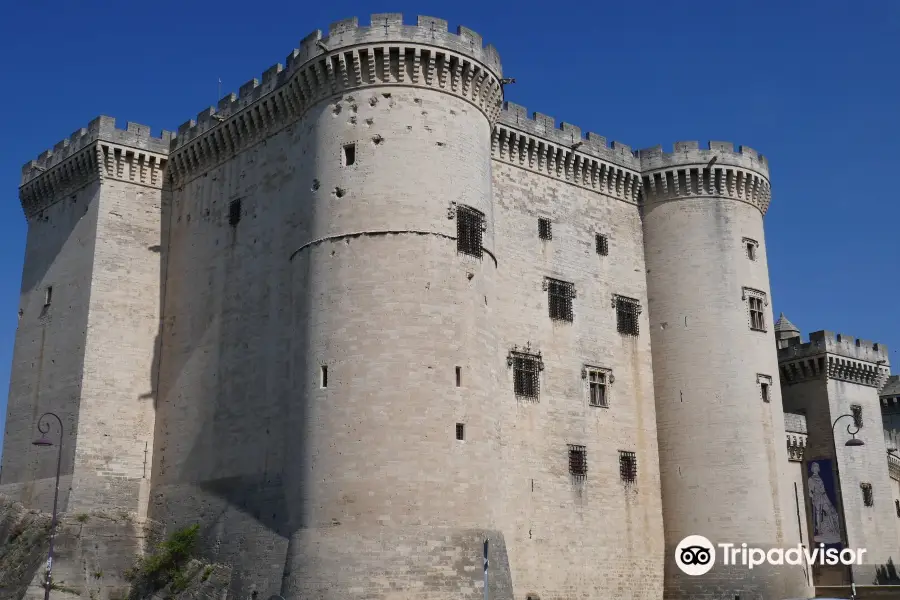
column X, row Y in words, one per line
column 719, row 413
column 394, row 359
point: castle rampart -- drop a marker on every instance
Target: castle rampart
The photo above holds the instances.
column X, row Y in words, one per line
column 838, row 356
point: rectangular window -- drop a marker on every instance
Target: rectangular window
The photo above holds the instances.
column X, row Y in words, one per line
column 756, row 303
column 750, row 245
column 458, row 376
column 469, row 227
column 460, row 431
column 349, row 154
column 627, row 311
column 559, row 299
column 48, row 295
column 602, row 245
column 764, row 388
column 526, row 373
column 627, row 466
column 234, row 212
column 578, row 461
column 868, row 498
column 323, row 379
column 856, row 411
column 597, row 391
column 544, row 230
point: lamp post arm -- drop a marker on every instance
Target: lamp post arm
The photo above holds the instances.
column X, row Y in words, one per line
column 44, row 427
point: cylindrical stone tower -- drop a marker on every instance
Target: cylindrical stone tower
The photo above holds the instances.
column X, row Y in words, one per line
column 719, row 411
column 395, row 360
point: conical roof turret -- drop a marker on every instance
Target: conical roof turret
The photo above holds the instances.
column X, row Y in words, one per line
column 784, row 325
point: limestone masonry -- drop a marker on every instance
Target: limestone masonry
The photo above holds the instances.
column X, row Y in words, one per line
column 366, row 314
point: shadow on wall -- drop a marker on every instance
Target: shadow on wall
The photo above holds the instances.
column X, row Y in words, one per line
column 886, row 574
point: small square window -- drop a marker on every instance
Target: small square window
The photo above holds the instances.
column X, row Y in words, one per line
column 544, row 230
column 627, row 311
column 469, row 227
column 868, row 498
column 559, row 299
column 577, row 462
column 598, row 382
column 856, row 411
column 602, row 243
column 349, row 154
column 628, row 466
column 460, row 432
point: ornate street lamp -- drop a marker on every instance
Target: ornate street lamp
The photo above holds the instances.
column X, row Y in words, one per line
column 44, row 428
column 852, row 442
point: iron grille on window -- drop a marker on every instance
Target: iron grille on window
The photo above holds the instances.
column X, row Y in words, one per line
column 526, row 373
column 856, row 411
column 627, row 311
column 559, row 298
column 602, row 245
column 757, row 316
column 597, row 388
column 628, row 466
column 578, row 461
column 868, row 499
column 469, row 226
column 544, row 230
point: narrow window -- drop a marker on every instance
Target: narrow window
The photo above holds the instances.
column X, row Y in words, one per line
column 559, row 298
column 460, row 431
column 627, row 311
column 349, row 154
column 526, row 373
column 48, row 295
column 868, row 499
column 458, row 376
column 234, row 212
column 469, row 227
column 757, row 316
column 897, row 506
column 751, row 251
column 597, row 388
column 627, row 466
column 856, row 411
column 544, row 230
column 578, row 462
column 324, row 376
column 602, row 243
column 764, row 387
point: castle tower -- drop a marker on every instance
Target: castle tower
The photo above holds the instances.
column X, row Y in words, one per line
column 330, row 398
column 92, row 257
column 786, row 332
column 722, row 456
column 835, row 380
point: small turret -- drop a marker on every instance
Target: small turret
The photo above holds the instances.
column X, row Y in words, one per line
column 786, row 333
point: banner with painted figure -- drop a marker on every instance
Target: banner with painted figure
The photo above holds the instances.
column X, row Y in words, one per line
column 826, row 520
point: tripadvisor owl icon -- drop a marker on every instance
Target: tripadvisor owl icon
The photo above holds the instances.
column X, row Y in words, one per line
column 695, row 555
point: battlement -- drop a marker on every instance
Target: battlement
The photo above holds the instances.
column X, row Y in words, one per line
column 102, row 128
column 837, row 356
column 687, row 153
column 568, row 135
column 385, row 27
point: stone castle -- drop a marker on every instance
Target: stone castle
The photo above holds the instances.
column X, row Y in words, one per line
column 366, row 315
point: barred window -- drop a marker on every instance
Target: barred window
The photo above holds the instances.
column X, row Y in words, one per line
column 628, row 466
column 627, row 311
column 602, row 244
column 597, row 387
column 469, row 226
column 526, row 373
column 856, row 411
column 868, row 499
column 559, row 298
column 544, row 230
column 577, row 461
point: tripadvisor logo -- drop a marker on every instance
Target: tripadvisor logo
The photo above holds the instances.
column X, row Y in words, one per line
column 696, row 555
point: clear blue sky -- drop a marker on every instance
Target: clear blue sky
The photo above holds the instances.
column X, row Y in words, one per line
column 814, row 86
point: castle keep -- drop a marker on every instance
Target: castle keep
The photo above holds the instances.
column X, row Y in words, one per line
column 366, row 314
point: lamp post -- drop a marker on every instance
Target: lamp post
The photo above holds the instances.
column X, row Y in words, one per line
column 44, row 428
column 852, row 442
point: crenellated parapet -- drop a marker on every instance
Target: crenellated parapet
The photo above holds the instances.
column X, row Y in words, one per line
column 586, row 161
column 351, row 57
column 716, row 171
column 99, row 151
column 797, row 435
column 835, row 356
